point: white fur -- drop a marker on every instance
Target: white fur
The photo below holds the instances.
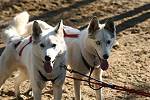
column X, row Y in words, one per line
column 87, row 46
column 31, row 61
column 16, row 28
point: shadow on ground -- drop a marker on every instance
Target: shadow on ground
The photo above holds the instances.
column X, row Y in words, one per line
column 130, row 22
column 124, row 25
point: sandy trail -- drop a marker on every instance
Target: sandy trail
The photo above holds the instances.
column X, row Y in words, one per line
column 129, row 63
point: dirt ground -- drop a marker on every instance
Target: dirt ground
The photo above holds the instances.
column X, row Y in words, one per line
column 129, row 63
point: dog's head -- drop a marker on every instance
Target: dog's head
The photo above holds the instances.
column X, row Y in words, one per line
column 48, row 45
column 102, row 38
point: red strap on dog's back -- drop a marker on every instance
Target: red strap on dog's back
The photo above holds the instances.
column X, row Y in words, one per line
column 71, row 35
column 20, row 52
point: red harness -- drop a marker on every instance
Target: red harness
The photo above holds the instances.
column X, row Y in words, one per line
column 30, row 41
column 21, row 50
column 71, row 35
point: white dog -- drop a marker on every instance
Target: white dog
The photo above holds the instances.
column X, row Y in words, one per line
column 38, row 57
column 91, row 51
column 88, row 49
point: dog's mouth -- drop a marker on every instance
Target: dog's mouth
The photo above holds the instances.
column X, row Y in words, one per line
column 48, row 66
column 104, row 63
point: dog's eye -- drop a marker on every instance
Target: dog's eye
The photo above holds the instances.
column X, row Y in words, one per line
column 42, row 45
column 98, row 42
column 108, row 42
column 53, row 45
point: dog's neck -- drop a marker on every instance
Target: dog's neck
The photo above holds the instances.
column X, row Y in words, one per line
column 88, row 54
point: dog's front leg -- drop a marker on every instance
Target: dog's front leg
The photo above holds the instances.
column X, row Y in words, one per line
column 37, row 86
column 77, row 88
column 57, row 91
column 98, row 75
column 36, row 92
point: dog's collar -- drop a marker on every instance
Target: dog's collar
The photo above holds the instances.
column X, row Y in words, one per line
column 86, row 63
column 70, row 35
column 46, row 79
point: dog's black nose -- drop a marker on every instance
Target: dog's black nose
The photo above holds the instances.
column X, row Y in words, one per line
column 105, row 56
column 47, row 58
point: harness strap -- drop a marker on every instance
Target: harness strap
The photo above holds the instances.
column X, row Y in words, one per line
column 45, row 79
column 88, row 66
column 70, row 35
column 20, row 52
column 17, row 44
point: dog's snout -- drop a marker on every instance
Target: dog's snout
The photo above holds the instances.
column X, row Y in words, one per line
column 47, row 58
column 105, row 56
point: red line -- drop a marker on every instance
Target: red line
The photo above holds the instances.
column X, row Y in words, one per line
column 71, row 35
column 30, row 40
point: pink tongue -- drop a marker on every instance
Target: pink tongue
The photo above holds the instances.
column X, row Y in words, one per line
column 104, row 64
column 47, row 67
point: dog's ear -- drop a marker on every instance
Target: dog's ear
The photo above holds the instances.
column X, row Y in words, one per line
column 59, row 29
column 93, row 27
column 109, row 25
column 36, row 31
